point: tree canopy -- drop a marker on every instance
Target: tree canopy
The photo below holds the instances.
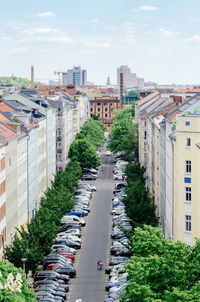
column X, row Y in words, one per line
column 17, row 81
column 35, row 243
column 161, row 269
column 84, row 152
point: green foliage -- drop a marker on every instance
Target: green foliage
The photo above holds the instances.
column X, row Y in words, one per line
column 138, row 203
column 18, row 82
column 95, row 117
column 22, row 294
column 35, row 243
column 84, row 152
column 83, row 149
column 161, row 269
column 123, row 136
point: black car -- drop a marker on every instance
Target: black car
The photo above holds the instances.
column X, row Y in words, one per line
column 41, row 275
column 66, row 271
column 53, row 283
column 124, row 252
column 68, row 243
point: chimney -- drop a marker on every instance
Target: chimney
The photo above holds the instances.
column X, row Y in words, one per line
column 121, row 89
column 32, row 76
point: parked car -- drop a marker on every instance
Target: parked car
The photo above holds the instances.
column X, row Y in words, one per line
column 72, row 220
column 90, row 170
column 119, row 176
column 69, row 243
column 88, row 177
column 66, row 271
column 117, row 210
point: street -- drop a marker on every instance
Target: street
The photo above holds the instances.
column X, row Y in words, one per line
column 89, row 285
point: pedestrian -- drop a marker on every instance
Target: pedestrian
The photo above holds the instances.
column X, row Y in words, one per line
column 98, row 264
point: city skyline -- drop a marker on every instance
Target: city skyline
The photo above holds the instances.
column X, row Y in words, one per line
column 158, row 41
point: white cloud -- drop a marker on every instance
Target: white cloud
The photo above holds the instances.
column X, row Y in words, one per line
column 167, row 33
column 192, row 39
column 19, row 50
column 145, row 8
column 95, row 20
column 42, row 31
column 46, row 15
column 99, row 44
column 53, row 39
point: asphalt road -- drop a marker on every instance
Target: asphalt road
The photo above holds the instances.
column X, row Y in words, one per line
column 89, row 285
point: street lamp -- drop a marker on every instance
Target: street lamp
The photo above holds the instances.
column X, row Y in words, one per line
column 24, row 264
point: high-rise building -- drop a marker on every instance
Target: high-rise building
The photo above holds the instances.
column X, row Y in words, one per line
column 75, row 76
column 131, row 81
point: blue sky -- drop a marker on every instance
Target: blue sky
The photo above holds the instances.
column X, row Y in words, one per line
column 159, row 40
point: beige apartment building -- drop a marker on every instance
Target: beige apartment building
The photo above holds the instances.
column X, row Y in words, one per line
column 2, row 198
column 42, row 153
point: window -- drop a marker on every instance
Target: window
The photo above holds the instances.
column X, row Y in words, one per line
column 188, row 194
column 105, row 104
column 111, row 104
column 98, row 115
column 188, row 223
column 188, row 142
column 99, row 109
column 188, row 166
column 187, row 123
column 106, row 109
column 91, row 104
column 91, row 109
column 187, row 180
column 98, row 104
column 145, row 135
column 106, row 115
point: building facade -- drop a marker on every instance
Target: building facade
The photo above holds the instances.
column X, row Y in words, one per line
column 104, row 108
column 131, row 81
column 2, row 199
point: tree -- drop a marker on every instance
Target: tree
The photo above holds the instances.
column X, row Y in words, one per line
column 160, row 269
column 122, row 123
column 130, row 143
column 84, row 152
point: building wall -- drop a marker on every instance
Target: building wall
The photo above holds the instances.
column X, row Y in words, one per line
column 51, row 144
column 42, row 155
column 187, row 127
column 69, row 129
column 105, row 108
column 2, row 200
column 11, row 189
column 33, row 190
column 22, row 196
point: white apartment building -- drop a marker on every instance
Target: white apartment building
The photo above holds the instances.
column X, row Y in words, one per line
column 131, row 81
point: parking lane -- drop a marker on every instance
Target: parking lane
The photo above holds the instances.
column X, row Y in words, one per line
column 90, row 283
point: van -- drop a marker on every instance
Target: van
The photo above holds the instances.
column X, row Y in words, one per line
column 72, row 219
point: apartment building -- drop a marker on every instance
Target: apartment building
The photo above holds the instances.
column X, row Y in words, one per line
column 172, row 147
column 2, row 198
column 105, row 107
column 186, row 167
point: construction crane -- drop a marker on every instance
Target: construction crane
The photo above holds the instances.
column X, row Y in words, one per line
column 59, row 73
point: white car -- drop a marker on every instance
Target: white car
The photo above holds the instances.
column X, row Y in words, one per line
column 74, row 232
column 118, row 210
column 61, row 247
column 107, row 153
column 119, row 176
column 69, row 236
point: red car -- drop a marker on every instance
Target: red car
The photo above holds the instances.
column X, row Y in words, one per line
column 67, row 255
column 51, row 267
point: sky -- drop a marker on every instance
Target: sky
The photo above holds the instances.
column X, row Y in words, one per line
column 158, row 39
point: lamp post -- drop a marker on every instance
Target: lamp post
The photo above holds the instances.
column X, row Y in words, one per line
column 24, row 264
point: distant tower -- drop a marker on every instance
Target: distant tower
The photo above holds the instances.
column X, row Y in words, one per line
column 32, row 76
column 108, row 81
column 121, row 89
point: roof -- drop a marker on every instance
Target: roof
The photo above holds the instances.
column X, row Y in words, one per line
column 5, row 107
